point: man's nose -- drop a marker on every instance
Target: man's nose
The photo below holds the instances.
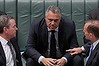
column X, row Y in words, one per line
column 53, row 22
column 16, row 28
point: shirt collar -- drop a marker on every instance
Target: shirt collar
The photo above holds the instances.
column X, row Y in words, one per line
column 95, row 43
column 55, row 29
column 3, row 41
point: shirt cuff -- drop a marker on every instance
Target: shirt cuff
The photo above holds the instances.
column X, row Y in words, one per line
column 65, row 59
column 40, row 58
column 83, row 49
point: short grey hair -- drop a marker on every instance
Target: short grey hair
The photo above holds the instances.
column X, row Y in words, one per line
column 53, row 9
column 4, row 21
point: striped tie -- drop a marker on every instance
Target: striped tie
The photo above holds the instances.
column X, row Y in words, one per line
column 90, row 52
column 13, row 52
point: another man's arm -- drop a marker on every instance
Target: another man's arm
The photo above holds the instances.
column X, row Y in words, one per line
column 76, row 50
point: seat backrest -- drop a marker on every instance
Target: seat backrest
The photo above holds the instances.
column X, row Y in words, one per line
column 25, row 11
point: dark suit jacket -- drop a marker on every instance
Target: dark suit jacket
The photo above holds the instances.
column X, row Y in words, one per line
column 38, row 38
column 17, row 50
column 94, row 58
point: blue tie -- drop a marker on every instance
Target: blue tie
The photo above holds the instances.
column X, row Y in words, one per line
column 90, row 52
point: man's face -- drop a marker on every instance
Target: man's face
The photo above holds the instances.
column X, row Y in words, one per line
column 11, row 30
column 52, row 20
column 87, row 35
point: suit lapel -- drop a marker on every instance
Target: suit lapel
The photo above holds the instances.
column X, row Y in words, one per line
column 93, row 54
column 17, row 51
column 61, row 38
column 15, row 45
column 44, row 34
column 2, row 53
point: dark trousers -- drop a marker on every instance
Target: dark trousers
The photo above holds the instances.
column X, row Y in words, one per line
column 76, row 61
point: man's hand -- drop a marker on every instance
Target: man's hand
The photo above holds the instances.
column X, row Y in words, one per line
column 74, row 51
column 60, row 62
column 48, row 61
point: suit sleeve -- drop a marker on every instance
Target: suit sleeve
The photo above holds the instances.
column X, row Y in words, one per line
column 31, row 43
column 71, row 37
column 72, row 41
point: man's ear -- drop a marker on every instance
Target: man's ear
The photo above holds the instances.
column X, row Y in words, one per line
column 5, row 29
column 91, row 35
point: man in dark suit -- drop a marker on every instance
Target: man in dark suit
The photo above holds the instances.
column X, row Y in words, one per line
column 9, row 52
column 39, row 46
column 91, row 31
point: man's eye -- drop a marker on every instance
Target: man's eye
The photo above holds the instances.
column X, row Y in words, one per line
column 50, row 20
column 55, row 20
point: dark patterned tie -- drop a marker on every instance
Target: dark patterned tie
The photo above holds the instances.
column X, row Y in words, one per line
column 52, row 45
column 13, row 52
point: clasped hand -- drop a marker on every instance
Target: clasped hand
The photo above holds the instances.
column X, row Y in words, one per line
column 53, row 62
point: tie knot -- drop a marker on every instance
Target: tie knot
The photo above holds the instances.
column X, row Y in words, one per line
column 9, row 43
column 92, row 47
column 52, row 31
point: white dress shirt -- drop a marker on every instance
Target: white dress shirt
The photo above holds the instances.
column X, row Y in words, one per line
column 7, row 51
